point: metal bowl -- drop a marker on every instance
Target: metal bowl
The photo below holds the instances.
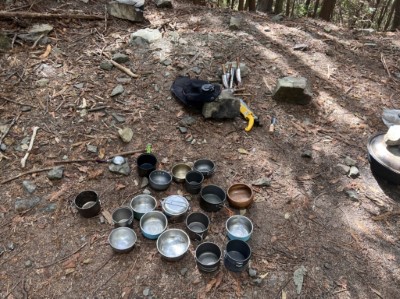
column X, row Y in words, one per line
column 175, row 207
column 122, row 216
column 205, row 166
column 239, row 227
column 160, row 180
column 240, row 196
column 141, row 204
column 152, row 224
column 122, row 239
column 179, row 172
column 173, row 244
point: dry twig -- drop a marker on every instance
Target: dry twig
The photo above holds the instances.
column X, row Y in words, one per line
column 63, row 258
column 23, row 160
column 26, row 173
column 36, row 15
column 9, row 127
column 385, row 65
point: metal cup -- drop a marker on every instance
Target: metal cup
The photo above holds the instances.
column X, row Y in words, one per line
column 197, row 225
column 88, row 204
column 193, row 181
column 146, row 163
column 122, row 216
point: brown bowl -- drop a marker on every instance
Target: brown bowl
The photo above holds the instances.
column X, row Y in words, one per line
column 240, row 196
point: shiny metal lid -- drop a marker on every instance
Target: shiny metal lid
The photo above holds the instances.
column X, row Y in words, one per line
column 386, row 155
column 175, row 205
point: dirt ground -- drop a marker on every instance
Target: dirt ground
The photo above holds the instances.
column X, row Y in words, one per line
column 350, row 248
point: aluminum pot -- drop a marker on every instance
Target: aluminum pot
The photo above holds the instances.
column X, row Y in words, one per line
column 152, row 224
column 175, row 207
column 173, row 244
column 212, row 198
column 88, row 203
column 197, row 226
column 237, row 255
column 141, row 204
column 239, row 227
column 122, row 239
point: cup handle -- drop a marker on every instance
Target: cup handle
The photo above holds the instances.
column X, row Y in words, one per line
column 201, row 236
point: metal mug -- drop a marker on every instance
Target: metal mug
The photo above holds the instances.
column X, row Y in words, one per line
column 197, row 225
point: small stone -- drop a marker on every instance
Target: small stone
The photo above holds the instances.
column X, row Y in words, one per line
column 371, row 45
column 3, row 147
column 295, row 90
column 25, row 108
column 196, row 70
column 300, row 47
column 166, row 62
column 146, row 191
column 42, row 82
column 124, row 80
column 50, row 208
column 163, row 3
column 120, row 58
column 327, row 29
column 117, row 90
column 183, row 130
column 144, row 183
column 184, row 271
column 354, row 172
column 101, row 219
column 167, row 74
column 257, row 281
column 352, row 194
column 79, row 85
column 120, row 169
column 343, row 169
column 56, row 173
column 252, row 272
column 349, row 161
column 307, row 154
column 22, row 205
column 146, row 292
column 11, row 246
column 157, row 107
column 127, row 10
column 234, row 23
column 242, row 212
column 189, row 138
column 28, row 264
column 287, row 216
column 188, row 121
column 264, row 181
column 91, row 148
column 144, row 37
column 277, row 18
column 106, row 65
column 118, row 118
column 29, row 186
column 156, row 88
column 267, row 29
column 327, row 266
column 126, row 134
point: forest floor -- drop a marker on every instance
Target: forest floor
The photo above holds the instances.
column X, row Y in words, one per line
column 350, row 247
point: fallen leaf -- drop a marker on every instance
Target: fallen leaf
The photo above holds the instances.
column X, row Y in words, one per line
column 46, row 53
column 69, row 271
column 119, row 186
column 283, row 294
column 70, row 264
column 83, row 169
column 102, row 153
column 262, row 276
column 243, row 151
column 95, row 173
column 3, row 209
column 108, row 216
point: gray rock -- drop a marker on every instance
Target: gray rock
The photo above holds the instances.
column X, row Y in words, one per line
column 252, row 272
column 146, row 292
column 5, row 42
column 118, row 118
column 352, row 194
column 234, row 23
column 144, row 183
column 52, row 207
column 225, row 106
column 327, row 29
column 28, row 264
column 354, row 172
column 117, row 90
column 11, row 246
column 125, row 11
column 106, row 65
column 56, row 173
column 25, row 108
column 343, row 169
column 264, row 182
column 349, row 161
column 42, row 82
column 120, row 169
column 392, row 137
column 146, row 191
column 35, row 32
column 163, row 3
column 120, row 58
column 166, row 62
column 397, row 75
column 79, row 85
column 145, row 36
column 22, row 205
column 277, row 18
column 91, row 148
column 298, row 277
column 366, row 30
column 257, row 281
column 300, row 47
column 183, row 130
column 184, row 271
column 188, row 121
column 3, row 147
column 307, row 154
column 101, row 219
column 29, row 186
column 126, row 134
column 124, row 80
column 40, row 29
column 293, row 90
column 267, row 29
column 196, row 70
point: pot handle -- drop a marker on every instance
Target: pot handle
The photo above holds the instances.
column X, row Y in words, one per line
column 200, row 235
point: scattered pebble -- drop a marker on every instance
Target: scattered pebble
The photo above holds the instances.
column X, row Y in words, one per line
column 118, row 118
column 117, row 90
column 184, row 271
column 50, row 208
column 146, row 292
column 287, row 216
column 196, row 70
column 146, row 191
column 79, row 85
column 300, row 47
column 106, row 65
column 28, row 263
column 120, row 58
column 187, row 121
column 120, row 169
column 144, row 183
column 124, row 80
column 22, row 205
column 252, row 272
column 56, row 173
column 349, row 161
column 26, row 108
column 166, row 62
column 343, row 169
column 126, row 134
column 91, row 148
column 354, row 172
column 11, row 246
column 183, row 130
column 257, row 281
column 327, row 266
column 3, row 147
column 352, row 194
column 102, row 220
column 42, row 82
column 307, row 154
column 264, row 181
column 29, row 186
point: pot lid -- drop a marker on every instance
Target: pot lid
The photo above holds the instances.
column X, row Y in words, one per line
column 386, row 155
column 175, row 204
